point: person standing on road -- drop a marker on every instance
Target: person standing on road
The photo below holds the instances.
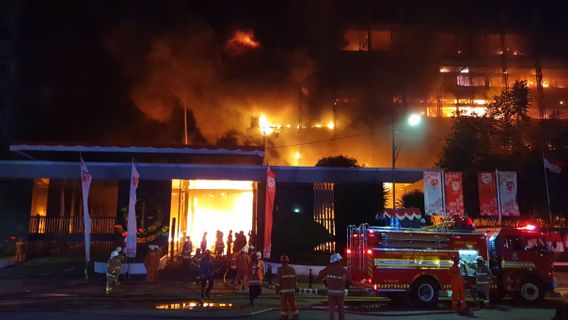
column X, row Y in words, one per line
column 336, row 278
column 287, row 284
column 219, row 244
column 20, row 251
column 457, row 285
column 233, row 269
column 229, row 243
column 483, row 279
column 186, row 255
column 256, row 273
column 114, row 265
column 206, row 274
column 243, row 265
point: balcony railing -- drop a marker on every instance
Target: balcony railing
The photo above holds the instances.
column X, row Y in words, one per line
column 69, row 225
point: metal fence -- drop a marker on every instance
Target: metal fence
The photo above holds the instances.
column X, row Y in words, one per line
column 69, row 225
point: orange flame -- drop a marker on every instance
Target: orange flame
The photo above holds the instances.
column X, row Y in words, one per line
column 242, row 41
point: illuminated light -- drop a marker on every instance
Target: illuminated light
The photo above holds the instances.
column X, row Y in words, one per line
column 330, row 125
column 545, row 84
column 297, row 210
column 375, row 287
column 208, row 210
column 369, row 251
column 355, row 235
column 264, row 125
column 480, row 101
column 464, row 70
column 528, row 227
column 371, row 231
column 561, row 101
column 318, row 125
column 348, row 251
column 370, row 280
column 468, row 252
column 298, row 155
column 288, row 126
column 445, row 70
column 414, row 119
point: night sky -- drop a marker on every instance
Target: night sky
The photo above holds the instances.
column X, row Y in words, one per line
column 78, row 62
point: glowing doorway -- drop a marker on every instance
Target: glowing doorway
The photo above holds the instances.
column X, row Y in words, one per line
column 201, row 206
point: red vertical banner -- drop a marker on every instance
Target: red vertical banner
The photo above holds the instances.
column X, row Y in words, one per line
column 268, row 208
column 454, row 193
column 487, row 187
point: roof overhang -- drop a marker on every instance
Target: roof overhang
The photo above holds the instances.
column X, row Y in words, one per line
column 166, row 171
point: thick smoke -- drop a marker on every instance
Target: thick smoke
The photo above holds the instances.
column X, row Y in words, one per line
column 223, row 82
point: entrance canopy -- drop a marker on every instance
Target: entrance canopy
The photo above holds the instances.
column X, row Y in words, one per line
column 30, row 169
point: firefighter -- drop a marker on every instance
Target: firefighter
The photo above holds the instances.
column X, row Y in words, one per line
column 243, row 265
column 20, row 251
column 457, row 285
column 114, row 265
column 186, row 254
column 336, row 278
column 483, row 279
column 233, row 269
column 206, row 274
column 287, row 288
column 152, row 263
column 229, row 243
column 256, row 273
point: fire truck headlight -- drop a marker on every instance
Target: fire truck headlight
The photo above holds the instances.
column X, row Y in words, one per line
column 348, row 251
column 369, row 251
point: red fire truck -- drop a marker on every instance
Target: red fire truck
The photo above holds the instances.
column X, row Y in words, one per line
column 416, row 261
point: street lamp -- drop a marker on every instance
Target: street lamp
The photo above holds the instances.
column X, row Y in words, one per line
column 413, row 120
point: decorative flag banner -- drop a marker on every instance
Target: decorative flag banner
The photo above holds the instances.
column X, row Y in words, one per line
column 269, row 206
column 487, row 188
column 86, row 179
column 553, row 165
column 454, row 193
column 508, row 193
column 131, row 229
column 433, row 198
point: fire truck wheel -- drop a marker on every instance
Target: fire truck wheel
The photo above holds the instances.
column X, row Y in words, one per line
column 425, row 292
column 531, row 291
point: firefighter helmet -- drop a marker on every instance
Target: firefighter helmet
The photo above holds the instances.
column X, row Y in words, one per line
column 259, row 255
column 479, row 259
column 113, row 254
column 284, row 258
column 118, row 249
column 336, row 257
column 244, row 249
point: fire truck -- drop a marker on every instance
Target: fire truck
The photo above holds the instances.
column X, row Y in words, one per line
column 415, row 262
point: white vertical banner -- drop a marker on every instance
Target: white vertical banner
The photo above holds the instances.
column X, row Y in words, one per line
column 433, row 188
column 132, row 227
column 86, row 179
column 508, row 193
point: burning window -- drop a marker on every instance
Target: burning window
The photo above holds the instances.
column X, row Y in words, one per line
column 210, row 205
column 241, row 42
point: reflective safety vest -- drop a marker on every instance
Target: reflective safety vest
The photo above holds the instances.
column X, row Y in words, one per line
column 114, row 265
column 254, row 277
column 335, row 278
column 286, row 279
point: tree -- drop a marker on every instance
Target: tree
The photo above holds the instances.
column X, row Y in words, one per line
column 467, row 145
column 508, row 112
column 338, row 161
column 413, row 199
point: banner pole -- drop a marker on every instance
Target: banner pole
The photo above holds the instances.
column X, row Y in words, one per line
column 443, row 187
column 498, row 195
column 547, row 190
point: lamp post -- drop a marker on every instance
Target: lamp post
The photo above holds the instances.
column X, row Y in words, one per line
column 413, row 120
